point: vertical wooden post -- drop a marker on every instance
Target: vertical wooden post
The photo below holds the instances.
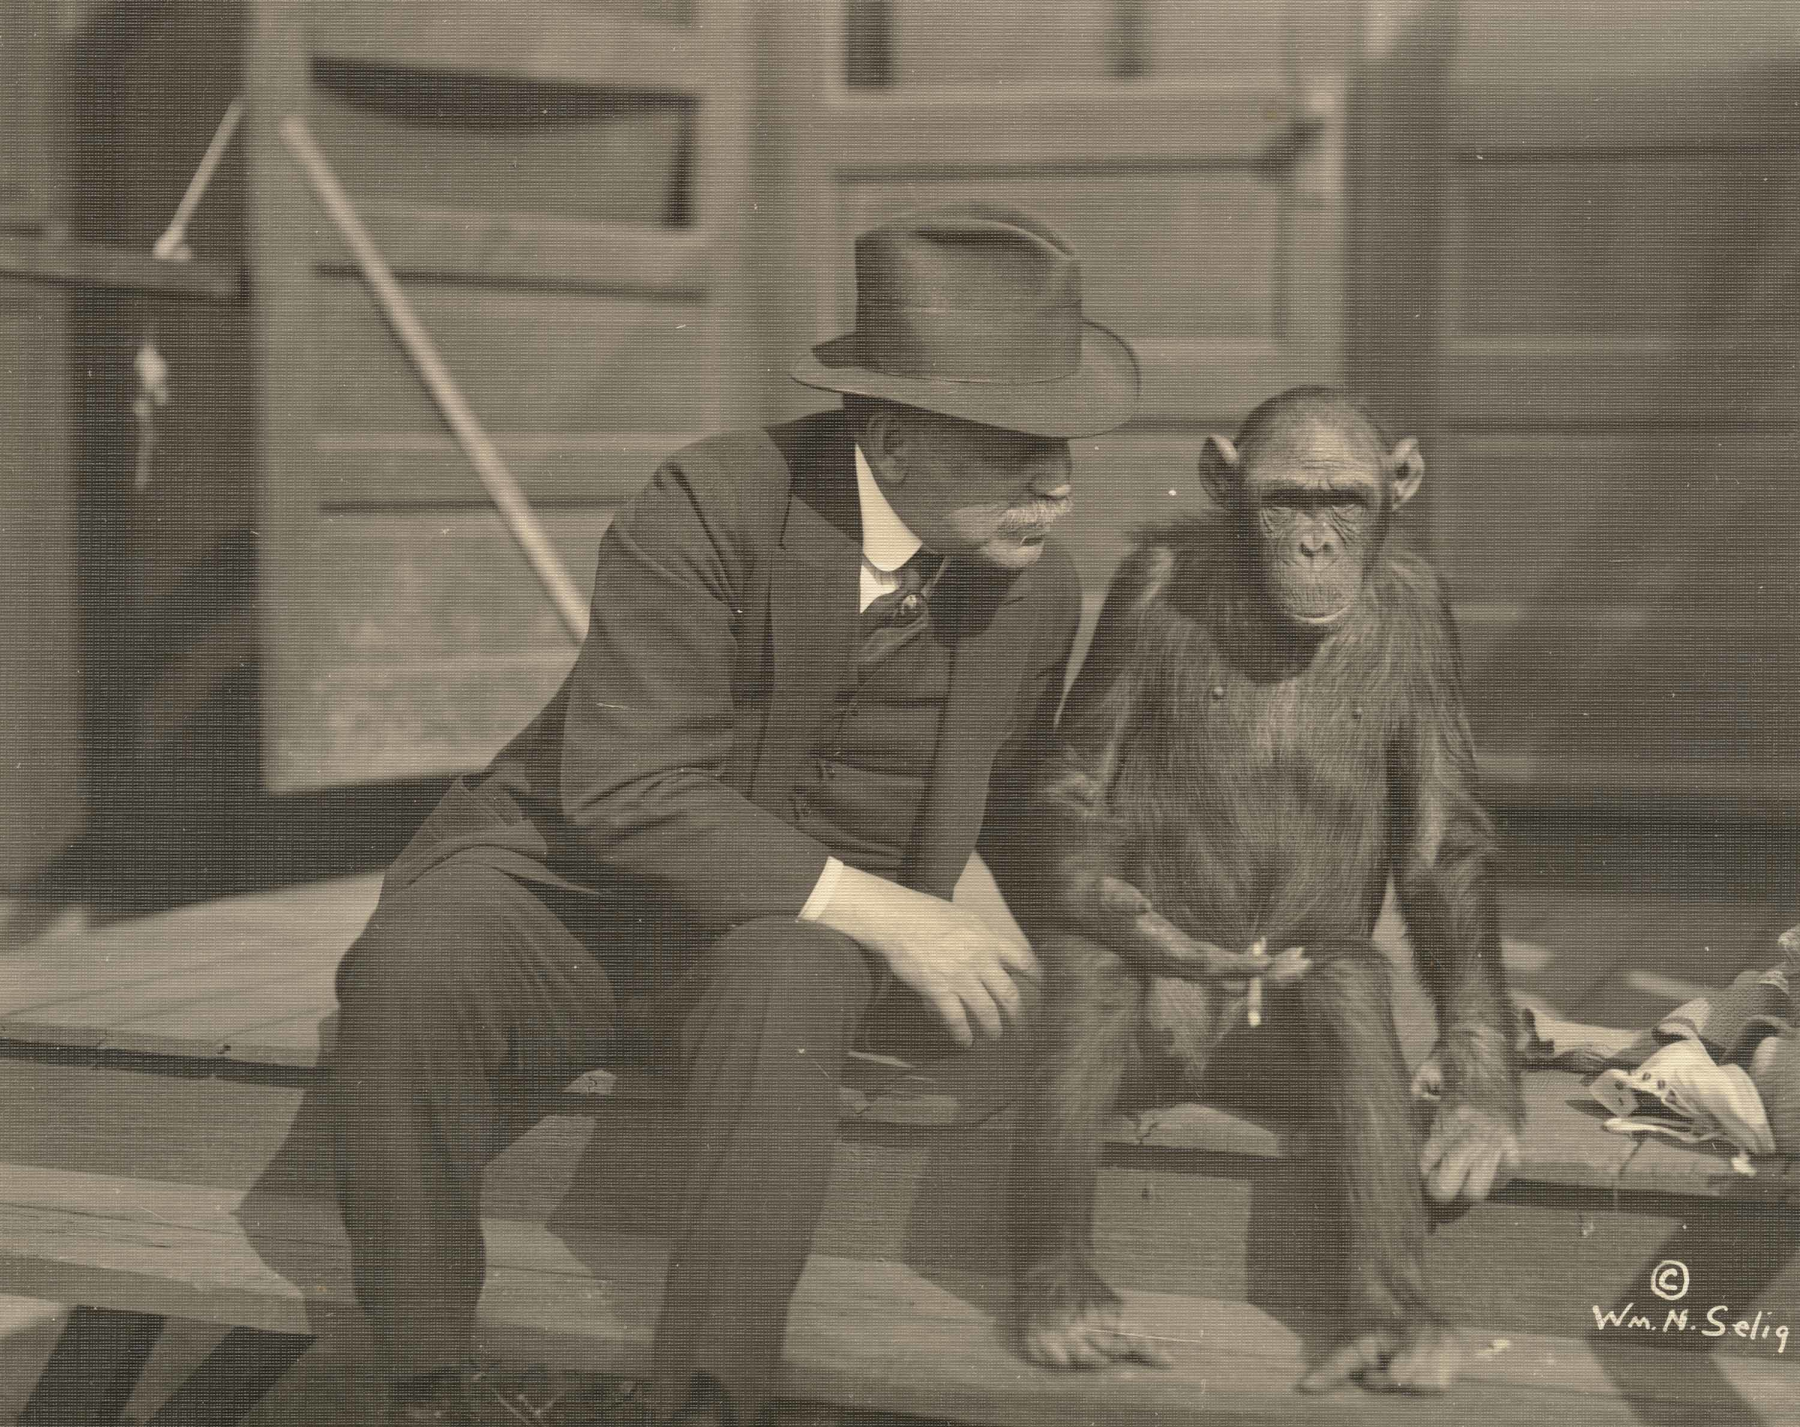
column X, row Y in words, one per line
column 43, row 755
column 282, row 221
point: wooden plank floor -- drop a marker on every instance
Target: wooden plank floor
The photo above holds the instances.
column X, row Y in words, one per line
column 249, row 980
column 254, row 973
column 876, row 1335
column 199, row 1194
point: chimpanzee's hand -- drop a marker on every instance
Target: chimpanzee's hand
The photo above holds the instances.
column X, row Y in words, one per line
column 1469, row 1153
column 1149, row 942
column 1120, row 903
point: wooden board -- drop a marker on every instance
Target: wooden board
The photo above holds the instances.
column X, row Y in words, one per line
column 1580, row 917
column 247, row 981
column 65, row 263
column 865, row 1334
column 552, row 41
column 98, row 981
column 1189, row 1200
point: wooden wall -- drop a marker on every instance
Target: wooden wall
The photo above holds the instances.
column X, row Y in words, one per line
column 559, row 189
column 167, row 549
column 1609, row 286
column 1560, row 247
column 42, row 766
column 621, row 230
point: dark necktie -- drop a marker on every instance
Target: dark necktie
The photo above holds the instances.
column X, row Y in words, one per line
column 897, row 616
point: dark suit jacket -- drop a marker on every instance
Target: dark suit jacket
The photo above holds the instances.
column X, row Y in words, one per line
column 725, row 607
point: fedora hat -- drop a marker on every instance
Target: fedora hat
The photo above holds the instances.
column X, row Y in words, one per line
column 974, row 311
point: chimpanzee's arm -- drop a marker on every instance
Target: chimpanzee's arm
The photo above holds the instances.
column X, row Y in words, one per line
column 1085, row 840
column 1444, row 874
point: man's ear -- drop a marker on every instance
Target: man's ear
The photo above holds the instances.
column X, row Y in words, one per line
column 1219, row 469
column 1406, row 469
column 884, row 443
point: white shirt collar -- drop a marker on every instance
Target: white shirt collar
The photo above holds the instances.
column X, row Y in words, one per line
column 886, row 542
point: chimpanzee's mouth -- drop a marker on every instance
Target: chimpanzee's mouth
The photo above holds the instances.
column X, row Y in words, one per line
column 1321, row 621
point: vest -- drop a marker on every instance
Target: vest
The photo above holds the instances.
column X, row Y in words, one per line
column 867, row 778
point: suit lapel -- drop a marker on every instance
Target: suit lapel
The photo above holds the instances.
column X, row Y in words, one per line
column 812, row 605
column 991, row 627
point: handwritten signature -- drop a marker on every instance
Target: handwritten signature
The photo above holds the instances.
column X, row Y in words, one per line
column 1670, row 1282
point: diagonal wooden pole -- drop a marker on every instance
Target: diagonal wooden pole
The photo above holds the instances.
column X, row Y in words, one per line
column 515, row 511
column 173, row 243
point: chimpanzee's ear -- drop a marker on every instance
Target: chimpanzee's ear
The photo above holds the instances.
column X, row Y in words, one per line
column 1407, row 467
column 1219, row 469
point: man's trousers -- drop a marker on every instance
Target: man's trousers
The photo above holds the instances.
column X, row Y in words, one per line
column 469, row 991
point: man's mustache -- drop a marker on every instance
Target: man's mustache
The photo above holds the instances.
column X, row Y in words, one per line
column 1036, row 513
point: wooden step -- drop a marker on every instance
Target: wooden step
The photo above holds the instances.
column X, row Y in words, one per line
column 1191, row 1203
column 868, row 1334
column 178, row 1052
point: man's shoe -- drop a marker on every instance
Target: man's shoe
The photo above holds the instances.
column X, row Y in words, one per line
column 485, row 1395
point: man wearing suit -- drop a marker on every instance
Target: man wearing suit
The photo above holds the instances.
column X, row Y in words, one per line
column 822, row 660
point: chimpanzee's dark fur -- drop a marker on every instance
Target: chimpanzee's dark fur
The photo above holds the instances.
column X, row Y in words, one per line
column 1255, row 779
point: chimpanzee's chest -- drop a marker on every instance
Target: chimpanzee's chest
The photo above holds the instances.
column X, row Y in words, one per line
column 1322, row 721
column 1261, row 804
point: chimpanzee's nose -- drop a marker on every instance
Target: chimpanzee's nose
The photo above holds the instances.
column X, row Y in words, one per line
column 1317, row 545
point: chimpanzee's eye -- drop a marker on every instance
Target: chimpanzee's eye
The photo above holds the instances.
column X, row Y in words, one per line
column 1312, row 499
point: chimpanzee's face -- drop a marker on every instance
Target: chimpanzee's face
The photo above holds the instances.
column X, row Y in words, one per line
column 1318, row 511
column 1314, row 486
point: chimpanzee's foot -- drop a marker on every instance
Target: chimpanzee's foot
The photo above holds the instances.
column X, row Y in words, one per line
column 1071, row 1319
column 1422, row 1356
column 1091, row 1337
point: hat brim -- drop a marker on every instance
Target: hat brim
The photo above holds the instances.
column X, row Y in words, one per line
column 1100, row 395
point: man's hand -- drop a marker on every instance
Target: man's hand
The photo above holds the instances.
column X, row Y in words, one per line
column 968, row 969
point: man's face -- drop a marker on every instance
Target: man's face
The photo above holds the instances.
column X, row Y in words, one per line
column 968, row 489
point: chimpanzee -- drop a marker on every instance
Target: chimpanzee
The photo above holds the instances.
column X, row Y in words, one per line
column 1268, row 726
